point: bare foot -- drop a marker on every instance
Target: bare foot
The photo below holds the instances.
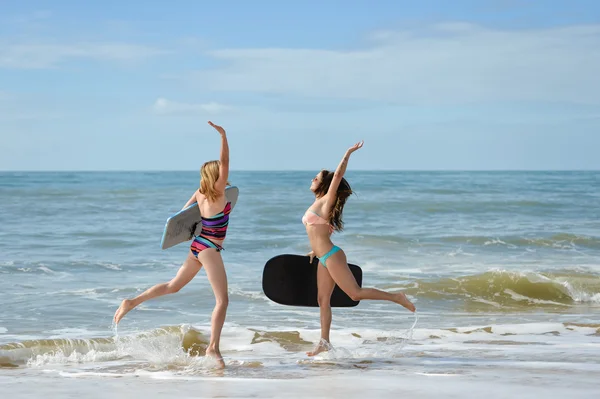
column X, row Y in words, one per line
column 323, row 346
column 216, row 354
column 125, row 307
column 401, row 299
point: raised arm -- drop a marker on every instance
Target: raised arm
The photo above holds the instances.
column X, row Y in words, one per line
column 221, row 183
column 339, row 172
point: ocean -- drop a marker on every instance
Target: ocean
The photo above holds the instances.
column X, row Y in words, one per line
column 503, row 267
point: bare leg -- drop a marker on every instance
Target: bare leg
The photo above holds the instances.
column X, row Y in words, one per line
column 337, row 266
column 325, row 286
column 215, row 270
column 186, row 273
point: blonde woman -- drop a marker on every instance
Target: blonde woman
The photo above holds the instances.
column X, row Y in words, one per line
column 205, row 248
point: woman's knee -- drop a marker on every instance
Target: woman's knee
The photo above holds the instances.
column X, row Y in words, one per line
column 172, row 288
column 355, row 294
column 324, row 301
column 222, row 301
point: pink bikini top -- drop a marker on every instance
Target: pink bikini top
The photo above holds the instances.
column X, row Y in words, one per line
column 311, row 217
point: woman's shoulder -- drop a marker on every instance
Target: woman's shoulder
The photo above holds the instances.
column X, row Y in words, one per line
column 220, row 197
column 199, row 196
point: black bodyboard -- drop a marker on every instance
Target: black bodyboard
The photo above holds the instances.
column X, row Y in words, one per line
column 292, row 280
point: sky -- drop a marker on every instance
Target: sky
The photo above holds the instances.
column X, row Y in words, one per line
column 428, row 85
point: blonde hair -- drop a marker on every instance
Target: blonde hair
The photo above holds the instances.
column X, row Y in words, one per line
column 209, row 174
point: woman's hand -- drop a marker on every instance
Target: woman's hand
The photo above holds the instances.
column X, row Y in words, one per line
column 218, row 128
column 355, row 147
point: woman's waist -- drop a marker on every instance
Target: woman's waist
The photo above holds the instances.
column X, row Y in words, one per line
column 215, row 239
column 321, row 246
column 220, row 231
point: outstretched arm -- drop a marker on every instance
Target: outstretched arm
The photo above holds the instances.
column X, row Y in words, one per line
column 221, row 183
column 339, row 172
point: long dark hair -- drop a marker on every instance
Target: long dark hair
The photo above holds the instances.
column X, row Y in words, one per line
column 342, row 194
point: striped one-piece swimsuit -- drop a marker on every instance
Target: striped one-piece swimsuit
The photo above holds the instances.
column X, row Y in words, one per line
column 214, row 227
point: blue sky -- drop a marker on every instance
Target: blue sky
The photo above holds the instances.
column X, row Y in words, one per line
column 429, row 85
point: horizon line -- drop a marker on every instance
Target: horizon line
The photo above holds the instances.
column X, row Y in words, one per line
column 288, row 170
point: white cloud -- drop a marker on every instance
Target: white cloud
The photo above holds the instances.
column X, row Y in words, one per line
column 165, row 107
column 39, row 56
column 443, row 64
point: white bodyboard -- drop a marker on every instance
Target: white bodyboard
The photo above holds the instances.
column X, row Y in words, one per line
column 185, row 224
